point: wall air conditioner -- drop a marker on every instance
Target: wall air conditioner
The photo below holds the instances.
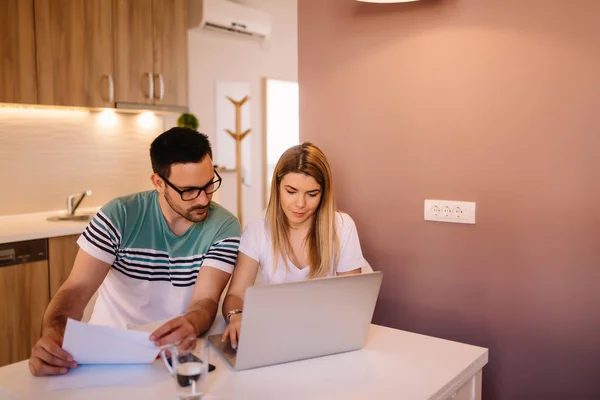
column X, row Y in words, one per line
column 227, row 16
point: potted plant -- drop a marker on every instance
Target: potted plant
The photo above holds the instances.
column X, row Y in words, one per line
column 188, row 120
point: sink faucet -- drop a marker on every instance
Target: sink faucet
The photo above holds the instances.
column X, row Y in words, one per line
column 74, row 200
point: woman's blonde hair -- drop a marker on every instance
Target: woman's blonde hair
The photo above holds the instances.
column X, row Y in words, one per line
column 322, row 240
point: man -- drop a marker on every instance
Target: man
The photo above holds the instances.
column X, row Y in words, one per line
column 154, row 255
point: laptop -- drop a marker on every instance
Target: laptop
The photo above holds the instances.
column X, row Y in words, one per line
column 299, row 320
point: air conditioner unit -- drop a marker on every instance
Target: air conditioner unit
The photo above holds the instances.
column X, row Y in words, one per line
column 227, row 16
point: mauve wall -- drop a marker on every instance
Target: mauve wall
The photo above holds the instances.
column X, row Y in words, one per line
column 492, row 101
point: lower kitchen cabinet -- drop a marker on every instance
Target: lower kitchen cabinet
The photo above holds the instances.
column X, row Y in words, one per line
column 23, row 300
column 62, row 251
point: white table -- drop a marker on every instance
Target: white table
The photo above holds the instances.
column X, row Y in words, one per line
column 394, row 364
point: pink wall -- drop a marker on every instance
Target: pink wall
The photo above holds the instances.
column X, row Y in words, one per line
column 493, row 101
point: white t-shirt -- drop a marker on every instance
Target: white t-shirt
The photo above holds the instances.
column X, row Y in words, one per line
column 256, row 243
column 153, row 271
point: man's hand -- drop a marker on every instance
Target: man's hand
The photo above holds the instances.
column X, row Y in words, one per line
column 178, row 331
column 48, row 357
column 183, row 331
column 233, row 330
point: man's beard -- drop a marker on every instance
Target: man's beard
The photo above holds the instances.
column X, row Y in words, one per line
column 188, row 214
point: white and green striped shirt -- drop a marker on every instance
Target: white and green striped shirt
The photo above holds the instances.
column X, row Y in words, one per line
column 153, row 270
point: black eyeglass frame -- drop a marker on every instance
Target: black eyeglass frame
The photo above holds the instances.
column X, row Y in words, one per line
column 218, row 181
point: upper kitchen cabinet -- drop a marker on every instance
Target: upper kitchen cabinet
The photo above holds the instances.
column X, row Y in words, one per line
column 17, row 52
column 133, row 51
column 171, row 51
column 151, row 52
column 74, row 45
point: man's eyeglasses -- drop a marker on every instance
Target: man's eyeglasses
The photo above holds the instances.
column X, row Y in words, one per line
column 193, row 193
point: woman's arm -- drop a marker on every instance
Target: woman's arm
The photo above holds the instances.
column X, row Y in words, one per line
column 243, row 277
column 353, row 272
column 351, row 257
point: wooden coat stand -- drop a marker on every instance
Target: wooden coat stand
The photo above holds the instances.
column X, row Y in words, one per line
column 238, row 136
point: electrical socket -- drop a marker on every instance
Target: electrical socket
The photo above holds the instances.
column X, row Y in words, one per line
column 460, row 212
column 447, row 211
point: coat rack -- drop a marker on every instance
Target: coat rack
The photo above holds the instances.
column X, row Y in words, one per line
column 238, row 136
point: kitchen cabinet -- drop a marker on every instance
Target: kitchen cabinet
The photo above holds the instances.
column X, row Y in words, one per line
column 74, row 52
column 17, row 52
column 151, row 56
column 23, row 298
column 133, row 51
column 171, row 51
column 62, row 251
column 95, row 53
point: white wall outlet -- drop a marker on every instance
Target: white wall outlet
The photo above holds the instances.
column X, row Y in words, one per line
column 460, row 212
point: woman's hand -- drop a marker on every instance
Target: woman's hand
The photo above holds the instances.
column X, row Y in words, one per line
column 243, row 277
column 232, row 332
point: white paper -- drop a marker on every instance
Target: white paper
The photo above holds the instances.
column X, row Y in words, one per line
column 96, row 344
column 86, row 376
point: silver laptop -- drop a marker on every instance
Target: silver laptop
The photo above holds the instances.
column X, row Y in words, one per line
column 299, row 320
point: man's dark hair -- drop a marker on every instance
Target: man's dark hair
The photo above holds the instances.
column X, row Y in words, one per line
column 178, row 146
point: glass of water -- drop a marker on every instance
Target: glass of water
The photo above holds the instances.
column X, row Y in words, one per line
column 190, row 371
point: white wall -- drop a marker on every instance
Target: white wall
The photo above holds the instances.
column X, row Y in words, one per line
column 45, row 155
column 216, row 56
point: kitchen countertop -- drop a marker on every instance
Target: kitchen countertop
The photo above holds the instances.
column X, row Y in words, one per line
column 17, row 228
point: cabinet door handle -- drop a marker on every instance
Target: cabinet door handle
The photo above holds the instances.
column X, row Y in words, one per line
column 7, row 257
column 150, row 85
column 161, row 87
column 111, row 89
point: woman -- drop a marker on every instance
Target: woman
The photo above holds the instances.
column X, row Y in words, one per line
column 302, row 236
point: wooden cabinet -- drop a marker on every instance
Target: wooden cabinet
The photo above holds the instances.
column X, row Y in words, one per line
column 171, row 52
column 24, row 292
column 26, row 289
column 133, row 51
column 151, row 52
column 17, row 52
column 94, row 53
column 74, row 45
column 61, row 256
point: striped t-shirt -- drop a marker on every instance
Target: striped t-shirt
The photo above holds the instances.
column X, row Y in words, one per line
column 153, row 270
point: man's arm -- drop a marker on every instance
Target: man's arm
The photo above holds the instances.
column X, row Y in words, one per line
column 200, row 314
column 70, row 300
column 213, row 276
column 205, row 300
column 244, row 276
column 47, row 356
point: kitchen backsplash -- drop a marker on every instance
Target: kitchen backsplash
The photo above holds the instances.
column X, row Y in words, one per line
column 45, row 155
